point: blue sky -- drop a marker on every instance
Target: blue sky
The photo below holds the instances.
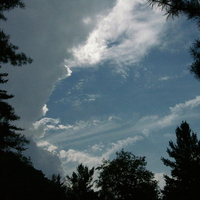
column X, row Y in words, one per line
column 105, row 76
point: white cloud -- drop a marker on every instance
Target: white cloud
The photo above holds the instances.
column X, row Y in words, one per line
column 98, row 147
column 81, row 157
column 164, row 78
column 66, row 72
column 45, row 160
column 179, row 112
column 120, row 145
column 87, row 20
column 124, row 35
column 145, row 132
column 39, row 128
column 91, row 160
column 47, row 146
column 48, row 35
column 44, row 109
column 185, row 107
column 84, row 131
column 113, row 125
column 81, row 135
column 159, row 177
column 91, row 97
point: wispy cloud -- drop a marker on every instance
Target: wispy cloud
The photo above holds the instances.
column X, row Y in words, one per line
column 179, row 112
column 94, row 128
column 164, row 78
column 46, row 145
column 185, row 107
column 92, row 160
column 124, row 35
column 40, row 127
column 120, row 145
column 78, row 156
column 99, row 132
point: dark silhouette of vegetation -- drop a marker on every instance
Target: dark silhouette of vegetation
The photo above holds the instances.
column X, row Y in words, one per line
column 7, row 5
column 20, row 180
column 80, row 184
column 191, row 9
column 10, row 138
column 126, row 177
column 184, row 181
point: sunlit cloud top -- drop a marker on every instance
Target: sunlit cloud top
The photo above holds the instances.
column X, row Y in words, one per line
column 124, row 35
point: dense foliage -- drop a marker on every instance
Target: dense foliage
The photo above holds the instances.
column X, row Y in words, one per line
column 126, row 177
column 184, row 181
column 20, row 180
column 80, row 184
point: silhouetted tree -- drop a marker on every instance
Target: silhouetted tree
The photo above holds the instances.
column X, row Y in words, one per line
column 10, row 138
column 20, row 180
column 6, row 5
column 184, row 182
column 191, row 9
column 80, row 184
column 126, row 177
column 58, row 187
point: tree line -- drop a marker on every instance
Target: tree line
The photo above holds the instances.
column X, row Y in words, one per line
column 126, row 177
column 123, row 178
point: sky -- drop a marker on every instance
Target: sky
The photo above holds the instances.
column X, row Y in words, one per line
column 106, row 76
